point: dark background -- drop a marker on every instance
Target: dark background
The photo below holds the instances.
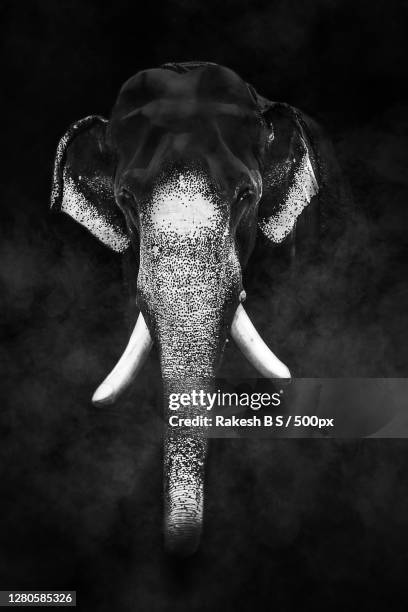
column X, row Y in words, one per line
column 310, row 524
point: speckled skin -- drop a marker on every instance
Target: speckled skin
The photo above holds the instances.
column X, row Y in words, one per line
column 188, row 157
column 188, row 288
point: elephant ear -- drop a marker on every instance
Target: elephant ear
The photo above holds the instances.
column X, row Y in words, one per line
column 83, row 182
column 291, row 174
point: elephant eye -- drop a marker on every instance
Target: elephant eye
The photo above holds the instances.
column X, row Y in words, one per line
column 125, row 193
column 126, row 197
column 245, row 195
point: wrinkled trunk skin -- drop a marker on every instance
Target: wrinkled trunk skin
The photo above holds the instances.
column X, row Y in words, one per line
column 188, row 286
column 183, row 472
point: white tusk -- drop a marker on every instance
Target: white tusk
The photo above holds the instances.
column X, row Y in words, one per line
column 128, row 366
column 254, row 348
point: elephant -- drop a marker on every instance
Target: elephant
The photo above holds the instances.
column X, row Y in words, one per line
column 191, row 169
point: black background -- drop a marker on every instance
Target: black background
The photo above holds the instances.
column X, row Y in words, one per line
column 321, row 523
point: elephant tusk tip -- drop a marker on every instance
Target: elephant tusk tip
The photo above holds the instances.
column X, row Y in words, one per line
column 132, row 359
column 285, row 372
column 103, row 395
column 278, row 371
column 254, row 348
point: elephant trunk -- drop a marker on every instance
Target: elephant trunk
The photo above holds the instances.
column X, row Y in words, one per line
column 184, row 460
column 185, row 451
column 188, row 290
column 184, row 467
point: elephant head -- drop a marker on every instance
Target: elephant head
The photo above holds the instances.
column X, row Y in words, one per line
column 191, row 165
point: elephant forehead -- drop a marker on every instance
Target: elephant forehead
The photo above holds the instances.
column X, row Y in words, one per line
column 203, row 106
column 215, row 83
column 206, row 116
column 179, row 114
column 183, row 203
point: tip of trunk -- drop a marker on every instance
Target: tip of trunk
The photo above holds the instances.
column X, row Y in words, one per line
column 184, row 461
column 183, row 541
